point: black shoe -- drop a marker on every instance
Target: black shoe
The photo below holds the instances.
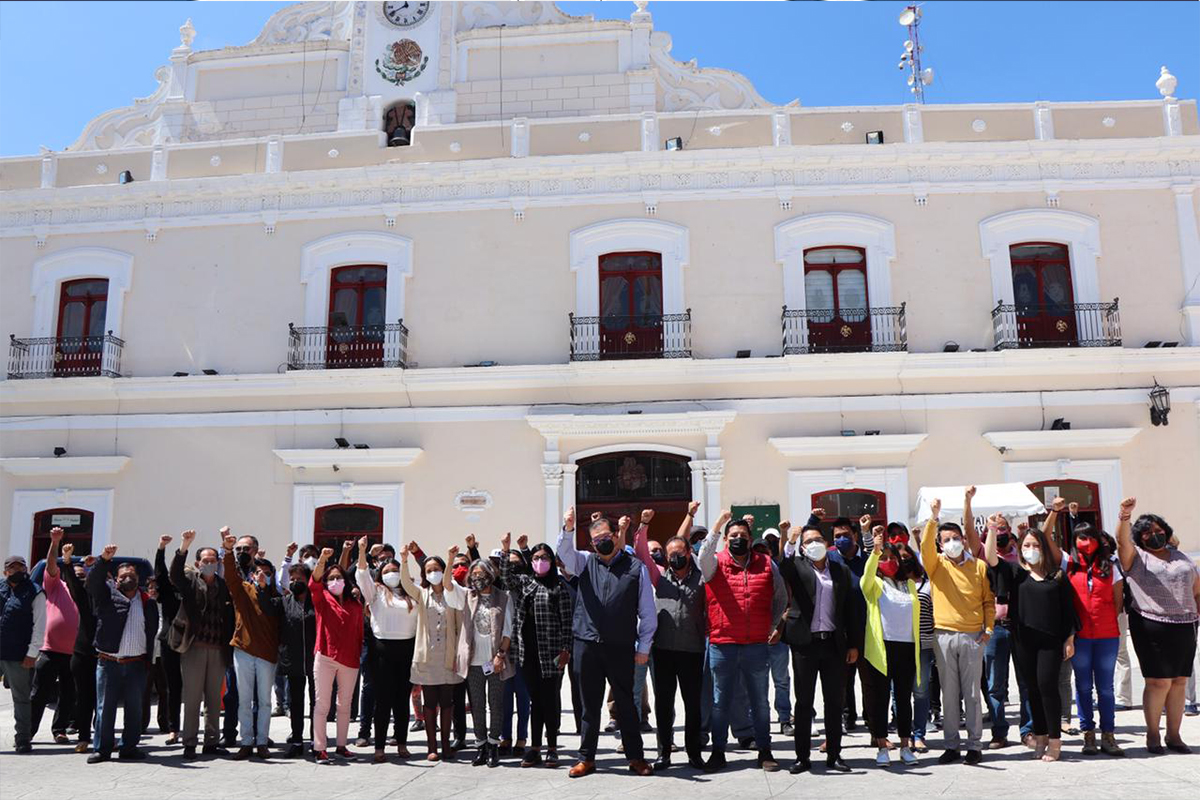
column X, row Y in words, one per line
column 23, row 748
column 787, row 729
column 346, row 755
column 800, row 766
column 481, row 756
column 949, row 757
column 647, row 727
column 132, row 755
column 716, row 762
column 503, row 750
column 695, row 762
column 457, row 744
column 836, row 765
column 295, row 751
column 189, row 753
column 321, row 757
column 611, row 727
column 767, row 762
column 493, row 756
column 96, row 758
column 229, row 740
column 533, row 757
column 973, row 757
column 263, row 751
column 244, row 752
column 662, row 763
column 745, row 742
column 214, row 750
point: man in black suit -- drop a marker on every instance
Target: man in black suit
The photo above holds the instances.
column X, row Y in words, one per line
column 824, row 631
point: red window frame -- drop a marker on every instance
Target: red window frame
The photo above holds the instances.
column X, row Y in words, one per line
column 840, row 333
column 359, row 346
column 638, row 335
column 335, row 538
column 878, row 518
column 82, row 357
column 1045, row 326
column 81, row 536
column 1089, row 513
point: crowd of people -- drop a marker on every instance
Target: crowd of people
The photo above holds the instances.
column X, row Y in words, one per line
column 927, row 619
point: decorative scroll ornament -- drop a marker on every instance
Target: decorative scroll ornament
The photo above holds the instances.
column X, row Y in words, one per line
column 402, row 62
column 631, row 475
column 686, row 87
column 306, row 22
column 485, row 15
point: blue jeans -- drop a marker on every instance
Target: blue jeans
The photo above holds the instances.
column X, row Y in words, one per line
column 255, row 678
column 781, row 656
column 516, row 685
column 639, row 687
column 921, row 693
column 751, row 664
column 1098, row 658
column 124, row 685
column 997, row 657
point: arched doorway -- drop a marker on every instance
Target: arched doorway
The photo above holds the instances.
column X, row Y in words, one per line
column 77, row 529
column 1086, row 493
column 334, row 524
column 616, row 484
column 852, row 504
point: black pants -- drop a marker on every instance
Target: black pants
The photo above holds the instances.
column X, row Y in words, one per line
column 545, row 703
column 83, row 670
column 1039, row 658
column 52, row 677
column 686, row 669
column 174, row 699
column 296, row 682
column 823, row 658
column 460, row 712
column 878, row 689
column 393, row 665
column 365, row 690
column 230, row 702
column 156, row 679
column 439, row 708
column 576, row 700
column 599, row 664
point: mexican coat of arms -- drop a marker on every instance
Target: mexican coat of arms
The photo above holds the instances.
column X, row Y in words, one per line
column 401, row 62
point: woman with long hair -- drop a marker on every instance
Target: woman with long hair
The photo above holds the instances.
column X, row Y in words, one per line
column 338, row 651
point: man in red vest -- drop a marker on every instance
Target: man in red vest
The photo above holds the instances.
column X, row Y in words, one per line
column 746, row 597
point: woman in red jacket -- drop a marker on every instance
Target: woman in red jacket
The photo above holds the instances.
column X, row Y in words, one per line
column 338, row 650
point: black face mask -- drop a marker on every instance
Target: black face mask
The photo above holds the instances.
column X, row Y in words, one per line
column 127, row 584
column 244, row 559
column 17, row 578
column 297, row 587
column 739, row 547
column 1003, row 540
column 657, row 558
column 605, row 547
column 1155, row 541
column 679, row 561
column 518, row 567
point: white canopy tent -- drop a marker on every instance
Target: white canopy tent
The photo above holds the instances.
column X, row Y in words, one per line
column 1009, row 499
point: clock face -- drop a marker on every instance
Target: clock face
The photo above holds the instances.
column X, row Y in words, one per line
column 405, row 15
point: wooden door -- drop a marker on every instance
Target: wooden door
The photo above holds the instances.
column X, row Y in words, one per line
column 631, row 305
column 1043, row 295
column 77, row 529
column 357, row 327
column 82, row 306
column 835, row 288
column 334, row 524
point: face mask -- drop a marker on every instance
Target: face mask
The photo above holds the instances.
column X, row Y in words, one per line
column 517, row 567
column 657, row 558
column 435, row 578
column 310, row 562
column 889, row 568
column 17, row 578
column 208, row 569
column 605, row 547
column 816, row 550
column 903, row 569
column 899, row 540
column 459, row 574
column 391, row 580
column 679, row 561
column 127, row 584
column 739, row 546
column 297, row 587
column 336, row 586
column 480, row 582
column 244, row 559
column 1086, row 546
column 1032, row 555
column 1002, row 540
column 1155, row 541
column 541, row 566
column 844, row 544
column 953, row 548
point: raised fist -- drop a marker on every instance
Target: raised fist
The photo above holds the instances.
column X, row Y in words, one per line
column 864, row 522
column 877, row 532
column 451, row 553
column 522, row 542
column 326, row 553
column 362, row 544
column 291, row 550
column 970, row 492
column 228, row 542
column 647, row 515
column 819, row 513
column 693, row 507
column 56, row 534
column 471, row 541
column 1073, row 508
column 506, row 541
column 224, row 531
column 68, row 550
column 935, row 508
column 569, row 519
column 1126, row 510
column 188, row 537
column 163, row 541
column 623, row 524
column 1058, row 504
column 347, row 545
column 109, row 551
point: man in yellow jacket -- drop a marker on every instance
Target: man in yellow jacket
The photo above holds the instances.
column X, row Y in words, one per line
column 964, row 611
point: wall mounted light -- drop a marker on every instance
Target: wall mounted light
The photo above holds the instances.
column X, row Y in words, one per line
column 341, row 443
column 874, row 137
column 674, row 144
column 59, row 452
column 1160, row 405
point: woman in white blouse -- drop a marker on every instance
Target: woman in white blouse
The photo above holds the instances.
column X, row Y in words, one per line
column 393, row 619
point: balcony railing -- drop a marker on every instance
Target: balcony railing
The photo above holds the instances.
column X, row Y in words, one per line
column 613, row 337
column 850, row 330
column 1066, row 325
column 348, row 346
column 65, row 356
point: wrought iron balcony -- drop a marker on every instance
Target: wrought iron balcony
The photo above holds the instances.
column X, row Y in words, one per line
column 850, row 330
column 348, row 346
column 65, row 356
column 613, row 337
column 1064, row 325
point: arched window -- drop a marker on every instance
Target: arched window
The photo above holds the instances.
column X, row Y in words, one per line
column 835, row 292
column 335, row 524
column 631, row 310
column 620, row 484
column 82, row 305
column 1043, row 296
column 852, row 504
column 77, row 529
column 357, row 304
column 1085, row 493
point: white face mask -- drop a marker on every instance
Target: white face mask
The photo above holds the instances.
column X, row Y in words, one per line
column 1032, row 555
column 434, row 578
column 816, row 550
column 392, row 579
column 311, row 563
column 336, row 586
column 953, row 548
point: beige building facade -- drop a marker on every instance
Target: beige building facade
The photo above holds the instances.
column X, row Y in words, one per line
column 531, row 261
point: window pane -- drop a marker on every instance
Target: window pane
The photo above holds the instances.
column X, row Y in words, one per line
column 1025, row 290
column 373, row 306
column 96, row 320
column 614, row 297
column 647, row 296
column 1048, row 251
column 349, row 519
column 818, row 295
column 361, row 275
column 345, row 308
column 85, row 288
column 848, row 504
column 834, row 255
column 1056, row 287
column 72, row 319
column 630, row 262
column 852, row 295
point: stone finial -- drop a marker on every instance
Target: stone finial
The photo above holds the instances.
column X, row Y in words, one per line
column 640, row 15
column 187, row 33
column 1166, row 83
column 641, row 5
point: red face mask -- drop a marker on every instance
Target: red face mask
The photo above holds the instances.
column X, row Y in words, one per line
column 460, row 575
column 899, row 540
column 889, row 568
column 1087, row 546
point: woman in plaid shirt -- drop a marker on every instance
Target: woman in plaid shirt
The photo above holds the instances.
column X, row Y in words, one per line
column 542, row 633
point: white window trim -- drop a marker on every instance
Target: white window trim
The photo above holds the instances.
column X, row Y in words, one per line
column 1105, row 473
column 892, row 481
column 26, row 503
column 51, row 271
column 320, row 257
column 307, row 498
column 875, row 235
column 1079, row 232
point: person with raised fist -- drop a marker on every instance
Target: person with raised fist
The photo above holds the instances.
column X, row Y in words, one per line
column 52, row 672
column 338, row 653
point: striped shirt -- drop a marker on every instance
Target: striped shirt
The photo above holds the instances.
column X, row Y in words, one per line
column 926, row 600
column 133, row 638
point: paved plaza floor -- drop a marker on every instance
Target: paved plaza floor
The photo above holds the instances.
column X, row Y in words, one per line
column 56, row 772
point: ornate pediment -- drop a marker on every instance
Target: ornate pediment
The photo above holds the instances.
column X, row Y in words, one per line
column 307, row 22
column 131, row 126
column 509, row 14
column 687, row 87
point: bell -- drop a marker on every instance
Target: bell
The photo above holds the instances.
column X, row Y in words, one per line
column 399, row 138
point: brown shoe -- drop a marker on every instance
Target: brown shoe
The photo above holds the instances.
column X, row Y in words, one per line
column 583, row 768
column 640, row 767
column 244, row 752
column 263, row 752
column 83, row 747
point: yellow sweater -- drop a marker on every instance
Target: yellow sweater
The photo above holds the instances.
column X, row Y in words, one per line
column 962, row 597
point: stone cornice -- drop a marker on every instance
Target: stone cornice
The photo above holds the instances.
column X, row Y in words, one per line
column 814, row 446
column 1060, row 441
column 392, row 457
column 67, row 465
column 551, row 181
column 708, row 423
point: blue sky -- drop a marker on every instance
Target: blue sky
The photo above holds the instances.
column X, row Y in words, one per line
column 62, row 63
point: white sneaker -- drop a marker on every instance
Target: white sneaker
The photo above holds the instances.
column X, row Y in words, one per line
column 908, row 757
column 883, row 758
